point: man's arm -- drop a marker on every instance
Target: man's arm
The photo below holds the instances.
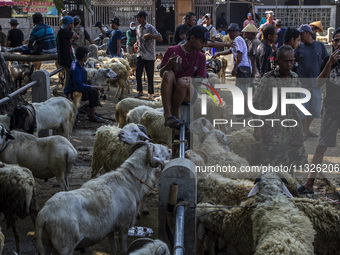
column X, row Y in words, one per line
column 226, row 52
column 334, row 57
column 173, row 61
column 119, row 41
column 237, row 62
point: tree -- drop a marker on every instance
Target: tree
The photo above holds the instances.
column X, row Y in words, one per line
column 7, row 87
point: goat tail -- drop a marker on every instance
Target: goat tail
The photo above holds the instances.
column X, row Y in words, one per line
column 76, row 100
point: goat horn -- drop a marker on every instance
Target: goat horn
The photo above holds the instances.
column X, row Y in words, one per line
column 142, row 128
column 150, row 155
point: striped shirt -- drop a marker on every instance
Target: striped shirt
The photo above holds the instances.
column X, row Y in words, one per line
column 47, row 40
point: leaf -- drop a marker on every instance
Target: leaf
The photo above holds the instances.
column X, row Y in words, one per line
column 59, row 4
column 87, row 4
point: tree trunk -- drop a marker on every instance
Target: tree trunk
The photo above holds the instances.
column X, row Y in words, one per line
column 7, row 87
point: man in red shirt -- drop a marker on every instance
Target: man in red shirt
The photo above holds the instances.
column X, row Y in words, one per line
column 180, row 64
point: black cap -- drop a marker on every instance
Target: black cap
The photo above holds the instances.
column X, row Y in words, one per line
column 199, row 32
column 115, row 20
column 76, row 19
column 141, row 14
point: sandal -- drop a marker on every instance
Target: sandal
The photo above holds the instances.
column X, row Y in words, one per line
column 150, row 96
column 138, row 95
column 303, row 190
column 97, row 119
column 175, row 123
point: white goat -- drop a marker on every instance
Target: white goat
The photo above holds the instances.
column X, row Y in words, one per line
column 150, row 247
column 45, row 157
column 100, row 77
column 102, row 206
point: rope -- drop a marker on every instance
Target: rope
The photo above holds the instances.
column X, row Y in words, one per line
column 5, row 147
column 142, row 182
column 178, row 246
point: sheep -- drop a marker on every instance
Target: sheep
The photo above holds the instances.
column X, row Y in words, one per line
column 100, row 207
column 2, row 241
column 99, row 77
column 276, row 224
column 17, row 197
column 135, row 115
column 21, row 74
column 128, row 69
column 127, row 104
column 5, row 120
column 45, row 157
column 55, row 113
column 154, row 122
column 111, row 146
column 147, row 246
column 132, row 59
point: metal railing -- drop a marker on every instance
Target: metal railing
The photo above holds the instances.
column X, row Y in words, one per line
column 27, row 86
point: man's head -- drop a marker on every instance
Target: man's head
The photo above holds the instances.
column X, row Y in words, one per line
column 285, row 60
column 306, row 33
column 82, row 53
column 76, row 20
column 317, row 26
column 292, row 37
column 37, row 18
column 233, row 30
column 249, row 16
column 14, row 22
column 207, row 18
column 141, row 17
column 270, row 33
column 336, row 39
column 197, row 37
column 250, row 31
column 270, row 17
column 114, row 23
column 67, row 23
column 190, row 19
column 278, row 23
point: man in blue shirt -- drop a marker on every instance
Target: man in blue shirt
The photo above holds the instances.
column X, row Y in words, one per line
column 114, row 47
column 76, row 82
column 43, row 36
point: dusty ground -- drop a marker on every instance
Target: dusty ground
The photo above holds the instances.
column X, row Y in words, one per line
column 82, row 139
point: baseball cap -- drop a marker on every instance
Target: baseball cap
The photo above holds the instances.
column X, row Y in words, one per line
column 141, row 14
column 76, row 19
column 66, row 21
column 208, row 15
column 199, row 32
column 305, row 27
column 115, row 20
column 14, row 21
column 249, row 14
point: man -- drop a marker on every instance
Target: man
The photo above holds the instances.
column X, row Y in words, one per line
column 264, row 50
column 207, row 23
column 65, row 53
column 317, row 27
column 330, row 125
column 242, row 65
column 2, row 38
column 249, row 20
column 280, row 145
column 147, row 35
column 221, row 22
column 181, row 30
column 280, row 33
column 180, row 64
column 308, row 57
column 15, row 36
column 199, row 21
column 270, row 18
column 82, row 33
column 43, row 36
column 252, row 42
column 77, row 82
column 115, row 35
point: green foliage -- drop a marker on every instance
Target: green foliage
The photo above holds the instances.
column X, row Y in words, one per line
column 59, row 4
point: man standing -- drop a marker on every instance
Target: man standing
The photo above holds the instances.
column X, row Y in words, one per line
column 221, row 22
column 15, row 36
column 42, row 35
column 330, row 124
column 82, row 33
column 280, row 33
column 65, row 53
column 181, row 30
column 147, row 35
column 180, row 64
column 308, row 57
column 249, row 20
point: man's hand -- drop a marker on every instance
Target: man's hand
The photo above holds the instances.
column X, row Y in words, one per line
column 334, row 57
column 216, row 55
column 257, row 134
column 174, row 61
column 100, row 88
column 147, row 36
column 98, row 24
column 234, row 71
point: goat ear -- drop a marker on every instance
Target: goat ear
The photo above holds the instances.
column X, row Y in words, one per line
column 200, row 231
column 9, row 136
column 254, row 190
column 286, row 191
column 283, row 179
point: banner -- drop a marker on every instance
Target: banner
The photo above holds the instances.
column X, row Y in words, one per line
column 28, row 8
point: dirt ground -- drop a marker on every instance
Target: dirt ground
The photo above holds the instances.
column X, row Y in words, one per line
column 82, row 139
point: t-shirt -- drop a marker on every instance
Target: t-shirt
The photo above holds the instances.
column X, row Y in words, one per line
column 46, row 39
column 77, row 79
column 246, row 22
column 130, row 40
column 146, row 48
column 264, row 52
column 240, row 46
column 308, row 59
column 2, row 38
column 332, row 99
column 114, row 36
column 65, row 53
column 181, row 29
column 193, row 64
column 280, row 37
column 16, row 37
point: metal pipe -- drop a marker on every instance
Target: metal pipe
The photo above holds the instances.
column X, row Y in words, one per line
column 22, row 89
column 179, row 231
column 182, row 141
column 56, row 71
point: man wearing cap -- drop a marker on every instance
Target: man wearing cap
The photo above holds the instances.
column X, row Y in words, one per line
column 114, row 47
column 249, row 20
column 330, row 124
column 180, row 64
column 252, row 42
column 242, row 66
column 280, row 33
column 65, row 52
column 181, row 30
column 81, row 32
column 146, row 54
column 15, row 36
column 207, row 23
column 42, row 35
column 308, row 57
